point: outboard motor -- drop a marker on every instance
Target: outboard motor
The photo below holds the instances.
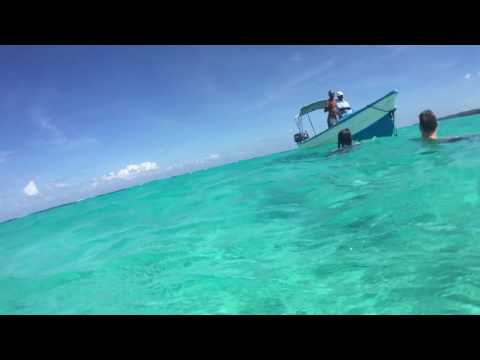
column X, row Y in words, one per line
column 299, row 137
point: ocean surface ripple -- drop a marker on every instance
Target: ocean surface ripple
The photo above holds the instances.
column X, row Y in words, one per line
column 390, row 227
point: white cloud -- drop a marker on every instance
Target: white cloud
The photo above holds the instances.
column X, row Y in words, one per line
column 31, row 189
column 60, row 185
column 131, row 170
column 468, row 76
column 175, row 166
column 210, row 157
column 4, row 155
column 111, row 175
column 213, row 156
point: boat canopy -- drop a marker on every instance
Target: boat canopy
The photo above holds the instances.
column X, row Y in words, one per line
column 312, row 107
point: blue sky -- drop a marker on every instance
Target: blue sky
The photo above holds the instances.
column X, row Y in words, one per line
column 73, row 118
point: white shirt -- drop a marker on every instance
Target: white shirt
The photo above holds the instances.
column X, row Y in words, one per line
column 341, row 105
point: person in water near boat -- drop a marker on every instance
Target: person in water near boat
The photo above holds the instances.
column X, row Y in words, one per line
column 344, row 142
column 342, row 105
column 332, row 109
column 428, row 125
column 344, row 139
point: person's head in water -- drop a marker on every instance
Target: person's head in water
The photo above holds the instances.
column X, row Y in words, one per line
column 331, row 94
column 428, row 124
column 344, row 138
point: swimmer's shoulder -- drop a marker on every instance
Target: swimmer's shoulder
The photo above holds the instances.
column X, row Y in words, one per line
column 344, row 149
column 459, row 138
column 449, row 139
column 336, row 151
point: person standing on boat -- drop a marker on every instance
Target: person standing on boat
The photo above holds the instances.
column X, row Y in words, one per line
column 342, row 105
column 332, row 109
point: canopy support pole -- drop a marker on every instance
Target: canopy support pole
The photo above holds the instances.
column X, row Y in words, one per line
column 392, row 114
column 308, row 115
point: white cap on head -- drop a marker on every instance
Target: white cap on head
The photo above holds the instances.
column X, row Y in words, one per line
column 339, row 93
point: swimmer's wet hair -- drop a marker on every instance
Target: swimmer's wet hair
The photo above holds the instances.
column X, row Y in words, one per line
column 344, row 138
column 427, row 121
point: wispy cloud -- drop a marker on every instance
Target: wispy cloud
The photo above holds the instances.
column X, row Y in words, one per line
column 58, row 185
column 468, row 76
column 309, row 75
column 192, row 165
column 31, row 189
column 443, row 66
column 5, row 155
column 284, row 89
column 399, row 48
column 297, row 57
column 54, row 135
column 131, row 170
column 80, row 142
column 395, row 51
column 209, row 158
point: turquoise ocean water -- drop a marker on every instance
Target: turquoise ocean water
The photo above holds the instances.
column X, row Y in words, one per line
column 391, row 227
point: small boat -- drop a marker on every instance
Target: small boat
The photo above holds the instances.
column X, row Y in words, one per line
column 374, row 120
